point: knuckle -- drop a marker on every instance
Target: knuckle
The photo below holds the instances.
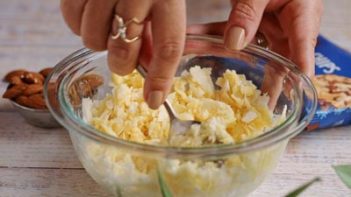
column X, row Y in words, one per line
column 314, row 42
column 170, row 50
column 246, row 10
column 159, row 81
column 120, row 59
column 121, row 51
column 121, row 70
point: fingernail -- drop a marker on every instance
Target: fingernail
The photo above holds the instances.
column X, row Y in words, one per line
column 155, row 99
column 236, row 38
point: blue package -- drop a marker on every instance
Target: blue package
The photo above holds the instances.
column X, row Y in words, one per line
column 333, row 84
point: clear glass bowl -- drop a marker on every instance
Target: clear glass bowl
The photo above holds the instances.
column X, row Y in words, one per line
column 128, row 168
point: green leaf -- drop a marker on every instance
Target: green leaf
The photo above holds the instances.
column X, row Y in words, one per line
column 344, row 172
column 118, row 191
column 302, row 188
column 166, row 192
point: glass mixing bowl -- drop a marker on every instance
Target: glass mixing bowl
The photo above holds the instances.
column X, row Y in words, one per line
column 128, row 168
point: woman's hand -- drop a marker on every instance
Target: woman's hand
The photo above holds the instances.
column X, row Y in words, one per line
column 290, row 26
column 162, row 30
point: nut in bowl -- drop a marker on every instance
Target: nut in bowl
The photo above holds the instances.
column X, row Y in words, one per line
column 125, row 146
column 25, row 92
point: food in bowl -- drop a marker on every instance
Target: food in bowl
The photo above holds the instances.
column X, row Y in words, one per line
column 235, row 111
column 25, row 92
column 26, row 87
column 232, row 113
column 205, row 167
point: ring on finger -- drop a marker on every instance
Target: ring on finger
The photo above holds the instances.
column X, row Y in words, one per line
column 121, row 31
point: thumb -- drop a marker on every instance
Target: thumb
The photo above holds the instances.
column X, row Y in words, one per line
column 243, row 22
column 302, row 31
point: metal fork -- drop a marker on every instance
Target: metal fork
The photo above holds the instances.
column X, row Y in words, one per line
column 178, row 126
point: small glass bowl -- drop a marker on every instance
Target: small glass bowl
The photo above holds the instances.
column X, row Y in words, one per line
column 36, row 117
column 128, row 168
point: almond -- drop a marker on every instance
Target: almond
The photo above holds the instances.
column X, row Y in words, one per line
column 74, row 96
column 14, row 91
column 15, row 80
column 85, row 86
column 52, row 86
column 22, row 100
column 46, row 71
column 32, row 77
column 16, row 73
column 28, row 102
column 36, row 101
column 33, row 89
column 93, row 80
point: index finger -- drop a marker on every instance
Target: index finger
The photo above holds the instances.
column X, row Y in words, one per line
column 168, row 33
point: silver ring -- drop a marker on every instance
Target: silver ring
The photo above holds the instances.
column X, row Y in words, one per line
column 122, row 29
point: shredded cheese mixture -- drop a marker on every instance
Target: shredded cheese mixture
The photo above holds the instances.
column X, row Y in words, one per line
column 234, row 111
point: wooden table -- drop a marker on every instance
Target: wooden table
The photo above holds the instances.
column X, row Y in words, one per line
column 40, row 162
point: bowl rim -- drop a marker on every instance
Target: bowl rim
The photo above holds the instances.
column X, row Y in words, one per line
column 277, row 134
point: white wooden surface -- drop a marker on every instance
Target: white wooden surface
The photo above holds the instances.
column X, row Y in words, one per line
column 40, row 162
